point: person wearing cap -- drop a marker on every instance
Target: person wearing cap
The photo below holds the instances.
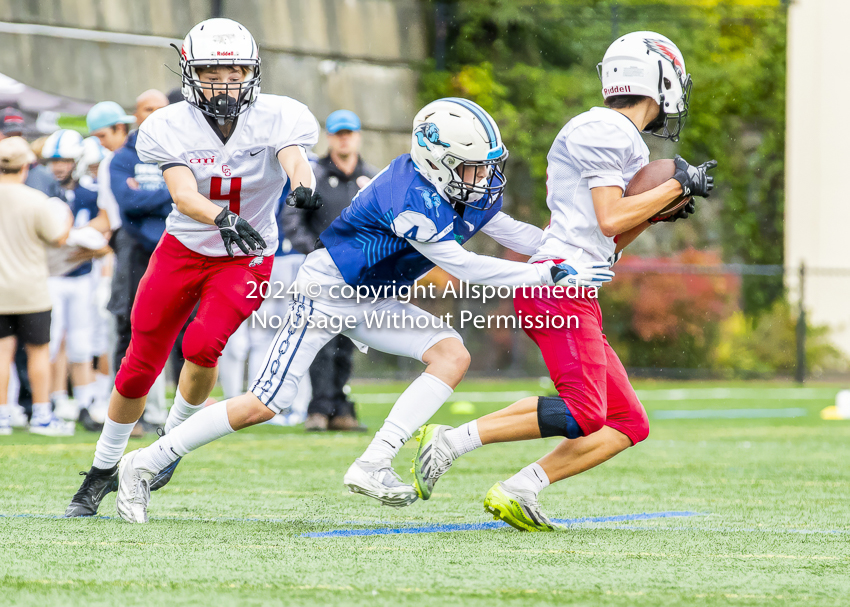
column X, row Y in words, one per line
column 31, row 223
column 111, row 125
column 39, row 177
column 11, row 123
column 339, row 176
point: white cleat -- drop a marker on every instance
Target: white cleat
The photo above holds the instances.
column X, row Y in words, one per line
column 67, row 409
column 134, row 490
column 5, row 426
column 18, row 416
column 52, row 427
column 378, row 480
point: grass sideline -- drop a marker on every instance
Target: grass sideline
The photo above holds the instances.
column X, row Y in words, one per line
column 773, row 492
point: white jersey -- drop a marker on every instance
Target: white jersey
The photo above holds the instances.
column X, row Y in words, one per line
column 601, row 147
column 105, row 197
column 242, row 173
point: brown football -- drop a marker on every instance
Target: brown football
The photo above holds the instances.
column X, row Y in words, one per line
column 652, row 176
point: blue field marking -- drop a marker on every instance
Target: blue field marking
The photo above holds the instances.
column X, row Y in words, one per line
column 729, row 413
column 495, row 525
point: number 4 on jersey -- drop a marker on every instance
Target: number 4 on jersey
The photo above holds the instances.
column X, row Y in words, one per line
column 233, row 192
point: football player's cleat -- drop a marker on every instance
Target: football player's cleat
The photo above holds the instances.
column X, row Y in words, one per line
column 134, row 490
column 433, row 458
column 67, row 409
column 161, row 478
column 517, row 508
column 88, row 497
column 88, row 422
column 378, row 480
column 52, row 426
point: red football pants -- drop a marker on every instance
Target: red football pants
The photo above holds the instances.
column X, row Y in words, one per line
column 587, row 373
column 177, row 279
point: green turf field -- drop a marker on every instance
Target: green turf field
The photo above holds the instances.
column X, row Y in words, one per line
column 767, row 498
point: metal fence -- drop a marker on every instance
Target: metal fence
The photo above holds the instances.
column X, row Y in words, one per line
column 675, row 320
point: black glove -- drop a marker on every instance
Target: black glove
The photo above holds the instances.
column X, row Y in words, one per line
column 234, row 229
column 683, row 213
column 304, row 198
column 695, row 180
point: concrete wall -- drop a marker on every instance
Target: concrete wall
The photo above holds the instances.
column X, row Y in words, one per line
column 330, row 54
column 817, row 213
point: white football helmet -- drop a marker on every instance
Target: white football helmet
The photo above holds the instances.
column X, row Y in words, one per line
column 219, row 42
column 650, row 65
column 451, row 132
column 93, row 154
column 63, row 144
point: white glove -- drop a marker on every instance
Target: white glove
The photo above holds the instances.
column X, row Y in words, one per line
column 573, row 273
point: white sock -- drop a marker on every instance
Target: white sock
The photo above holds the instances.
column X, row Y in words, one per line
column 112, row 443
column 180, row 411
column 103, row 383
column 6, row 413
column 84, row 395
column 464, row 438
column 413, row 408
column 42, row 412
column 203, row 428
column 531, row 478
column 59, row 396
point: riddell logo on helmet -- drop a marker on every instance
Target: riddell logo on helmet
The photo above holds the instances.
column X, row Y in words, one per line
column 617, row 90
column 210, row 160
column 224, row 54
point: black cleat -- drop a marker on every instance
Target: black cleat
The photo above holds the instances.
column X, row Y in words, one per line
column 88, row 423
column 88, row 497
column 162, row 477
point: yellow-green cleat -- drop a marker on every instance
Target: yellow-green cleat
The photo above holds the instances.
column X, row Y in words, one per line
column 433, row 458
column 519, row 509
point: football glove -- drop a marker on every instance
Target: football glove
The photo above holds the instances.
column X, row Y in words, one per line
column 577, row 274
column 235, row 230
column 304, row 198
column 695, row 180
column 683, row 213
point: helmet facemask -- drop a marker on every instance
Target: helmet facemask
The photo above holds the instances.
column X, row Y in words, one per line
column 483, row 194
column 214, row 99
column 669, row 125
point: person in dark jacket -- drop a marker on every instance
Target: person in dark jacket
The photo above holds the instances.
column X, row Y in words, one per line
column 339, row 176
column 143, row 204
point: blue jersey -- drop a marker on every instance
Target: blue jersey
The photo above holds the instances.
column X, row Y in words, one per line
column 368, row 241
column 83, row 203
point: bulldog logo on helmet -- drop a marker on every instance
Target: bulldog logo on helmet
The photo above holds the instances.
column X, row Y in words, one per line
column 429, row 131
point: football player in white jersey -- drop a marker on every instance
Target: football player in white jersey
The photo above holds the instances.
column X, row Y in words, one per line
column 226, row 154
column 646, row 89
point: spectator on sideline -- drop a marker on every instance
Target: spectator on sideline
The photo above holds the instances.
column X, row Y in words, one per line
column 108, row 122
column 143, row 204
column 31, row 222
column 40, row 178
column 12, row 125
column 339, row 176
column 71, row 293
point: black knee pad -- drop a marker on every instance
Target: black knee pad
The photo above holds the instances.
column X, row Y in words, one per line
column 555, row 419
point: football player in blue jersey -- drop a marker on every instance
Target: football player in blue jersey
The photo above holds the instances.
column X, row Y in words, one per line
column 416, row 213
